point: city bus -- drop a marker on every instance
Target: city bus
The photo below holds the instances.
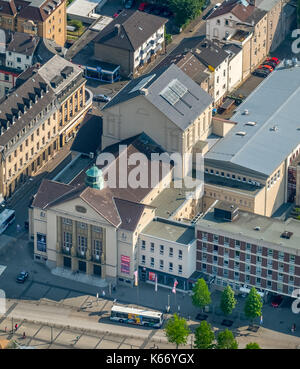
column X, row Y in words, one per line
column 145, row 318
column 6, row 218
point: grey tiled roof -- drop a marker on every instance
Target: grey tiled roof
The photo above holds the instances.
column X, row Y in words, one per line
column 185, row 111
column 135, row 28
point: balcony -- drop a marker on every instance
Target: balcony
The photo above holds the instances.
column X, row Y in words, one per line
column 81, row 254
column 66, row 250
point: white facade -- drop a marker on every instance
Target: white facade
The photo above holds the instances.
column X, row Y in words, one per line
column 17, row 60
column 150, row 47
column 221, row 27
column 163, row 255
column 221, row 80
column 235, row 70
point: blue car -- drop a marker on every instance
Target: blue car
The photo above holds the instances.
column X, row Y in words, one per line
column 21, row 278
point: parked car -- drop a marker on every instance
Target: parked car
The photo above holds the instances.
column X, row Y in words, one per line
column 129, row 4
column 272, row 63
column 211, row 11
column 262, row 72
column 102, row 98
column 21, row 277
column 276, row 301
column 117, row 13
column 265, row 66
column 276, row 60
column 142, row 7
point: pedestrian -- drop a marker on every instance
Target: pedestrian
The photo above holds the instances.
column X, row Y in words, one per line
column 293, row 327
column 24, row 335
column 18, row 228
column 16, row 326
column 5, row 329
column 103, row 293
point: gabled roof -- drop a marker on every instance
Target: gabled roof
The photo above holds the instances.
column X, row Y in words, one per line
column 130, row 29
column 153, row 85
column 209, row 53
column 23, row 43
column 239, row 8
column 189, row 64
column 121, row 207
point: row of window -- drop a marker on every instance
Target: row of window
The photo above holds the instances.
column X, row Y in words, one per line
column 30, row 125
column 82, row 225
column 237, row 275
column 258, row 263
column 237, row 245
column 273, row 180
column 232, row 176
column 236, row 286
column 82, row 243
column 161, row 249
column 161, row 264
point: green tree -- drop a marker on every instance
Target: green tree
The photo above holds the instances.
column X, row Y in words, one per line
column 177, row 330
column 204, row 336
column 253, row 304
column 228, row 301
column 226, row 340
column 201, row 294
column 185, row 10
column 252, row 345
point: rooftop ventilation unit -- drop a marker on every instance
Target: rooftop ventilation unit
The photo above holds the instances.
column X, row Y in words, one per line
column 274, row 128
column 257, row 228
column 241, row 133
column 246, row 112
column 251, row 124
column 286, row 235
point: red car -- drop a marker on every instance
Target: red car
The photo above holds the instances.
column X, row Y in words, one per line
column 117, row 13
column 272, row 63
column 276, row 301
column 142, row 7
column 266, row 67
column 276, row 60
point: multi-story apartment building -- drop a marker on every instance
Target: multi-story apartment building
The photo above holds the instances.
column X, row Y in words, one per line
column 167, row 105
column 216, row 59
column 37, row 119
column 240, row 22
column 247, row 250
column 15, row 57
column 167, row 250
column 132, row 40
column 249, row 166
column 44, row 18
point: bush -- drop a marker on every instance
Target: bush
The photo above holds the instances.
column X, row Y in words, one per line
column 76, row 23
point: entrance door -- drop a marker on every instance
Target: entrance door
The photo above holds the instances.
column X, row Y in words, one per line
column 82, row 266
column 67, row 262
column 97, row 270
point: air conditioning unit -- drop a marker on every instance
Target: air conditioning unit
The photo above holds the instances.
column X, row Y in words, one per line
column 82, row 253
column 97, row 257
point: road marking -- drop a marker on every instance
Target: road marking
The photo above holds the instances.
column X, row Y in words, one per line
column 2, row 268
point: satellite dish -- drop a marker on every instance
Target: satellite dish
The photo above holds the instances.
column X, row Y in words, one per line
column 2, row 41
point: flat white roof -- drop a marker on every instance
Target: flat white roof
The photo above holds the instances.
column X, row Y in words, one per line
column 83, row 7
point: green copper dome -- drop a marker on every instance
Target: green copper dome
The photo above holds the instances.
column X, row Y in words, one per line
column 94, row 178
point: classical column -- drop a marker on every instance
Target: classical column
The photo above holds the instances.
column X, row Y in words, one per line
column 74, row 247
